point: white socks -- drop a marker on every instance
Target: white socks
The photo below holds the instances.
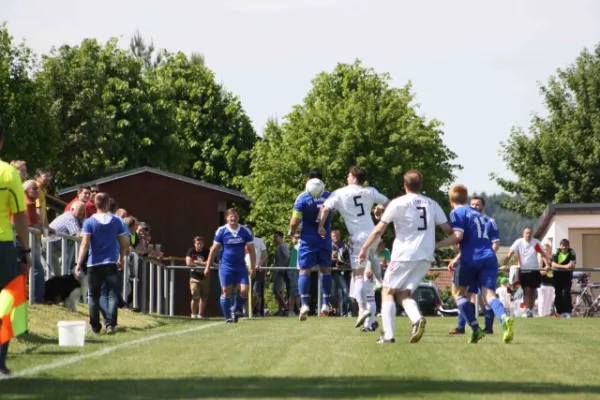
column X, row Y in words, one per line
column 359, row 293
column 411, row 309
column 371, row 306
column 388, row 318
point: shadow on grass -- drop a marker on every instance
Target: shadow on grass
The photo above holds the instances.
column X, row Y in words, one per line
column 268, row 388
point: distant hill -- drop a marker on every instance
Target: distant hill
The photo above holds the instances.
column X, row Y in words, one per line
column 511, row 225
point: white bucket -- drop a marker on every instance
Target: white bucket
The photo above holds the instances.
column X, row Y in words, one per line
column 71, row 333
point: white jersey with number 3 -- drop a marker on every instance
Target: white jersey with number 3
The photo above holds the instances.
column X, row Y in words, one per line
column 354, row 203
column 415, row 217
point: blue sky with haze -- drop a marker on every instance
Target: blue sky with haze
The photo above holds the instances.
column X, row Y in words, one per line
column 474, row 65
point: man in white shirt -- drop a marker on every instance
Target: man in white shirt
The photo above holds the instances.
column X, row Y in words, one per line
column 527, row 249
column 415, row 217
column 354, row 203
column 262, row 257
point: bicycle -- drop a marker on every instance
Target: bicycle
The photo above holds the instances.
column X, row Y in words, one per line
column 587, row 303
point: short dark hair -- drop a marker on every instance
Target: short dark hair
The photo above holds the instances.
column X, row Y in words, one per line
column 101, row 201
column 315, row 173
column 43, row 171
column 113, row 206
column 2, row 131
column 413, row 179
column 359, row 173
column 480, row 199
column 565, row 242
column 198, row 239
column 82, row 188
column 278, row 233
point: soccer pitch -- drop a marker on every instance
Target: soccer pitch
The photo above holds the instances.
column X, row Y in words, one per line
column 322, row 358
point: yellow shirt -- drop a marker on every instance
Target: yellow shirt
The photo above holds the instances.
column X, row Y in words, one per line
column 41, row 204
column 12, row 199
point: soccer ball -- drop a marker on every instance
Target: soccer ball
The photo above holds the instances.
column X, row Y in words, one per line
column 315, row 187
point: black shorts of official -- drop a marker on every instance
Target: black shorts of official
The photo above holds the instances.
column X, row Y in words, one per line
column 530, row 279
column 9, row 267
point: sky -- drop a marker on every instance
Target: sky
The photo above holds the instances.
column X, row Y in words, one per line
column 475, row 66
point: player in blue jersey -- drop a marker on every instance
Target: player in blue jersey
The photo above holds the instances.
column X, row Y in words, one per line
column 478, row 265
column 478, row 203
column 314, row 251
column 234, row 239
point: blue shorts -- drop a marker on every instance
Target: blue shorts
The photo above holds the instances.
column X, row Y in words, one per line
column 311, row 255
column 477, row 274
column 229, row 277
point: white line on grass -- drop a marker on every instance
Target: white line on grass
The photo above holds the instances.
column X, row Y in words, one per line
column 103, row 352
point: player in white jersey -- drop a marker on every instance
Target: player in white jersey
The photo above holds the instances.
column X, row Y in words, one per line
column 354, row 203
column 415, row 217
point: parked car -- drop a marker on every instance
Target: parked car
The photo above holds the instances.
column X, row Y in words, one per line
column 427, row 297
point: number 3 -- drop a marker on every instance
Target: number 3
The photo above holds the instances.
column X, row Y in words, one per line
column 423, row 216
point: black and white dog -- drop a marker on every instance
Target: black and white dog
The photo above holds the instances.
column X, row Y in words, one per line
column 66, row 289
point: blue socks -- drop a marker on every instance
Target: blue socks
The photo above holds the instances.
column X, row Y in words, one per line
column 239, row 303
column 468, row 310
column 304, row 289
column 226, row 307
column 498, row 310
column 327, row 281
column 461, row 323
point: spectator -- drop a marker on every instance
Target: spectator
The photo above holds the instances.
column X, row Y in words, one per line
column 68, row 223
column 292, row 273
column 527, row 248
column 339, row 279
column 262, row 258
column 563, row 259
column 12, row 201
column 100, row 234
column 90, row 207
column 503, row 293
column 84, row 193
column 546, row 290
column 199, row 284
column 43, row 176
column 280, row 280
column 21, row 166
column 33, row 221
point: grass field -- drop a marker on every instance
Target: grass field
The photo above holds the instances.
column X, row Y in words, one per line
column 321, row 358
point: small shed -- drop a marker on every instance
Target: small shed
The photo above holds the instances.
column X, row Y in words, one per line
column 177, row 208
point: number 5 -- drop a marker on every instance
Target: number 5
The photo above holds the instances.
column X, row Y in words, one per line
column 357, row 204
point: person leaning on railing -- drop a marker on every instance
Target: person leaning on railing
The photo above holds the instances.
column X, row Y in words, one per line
column 12, row 201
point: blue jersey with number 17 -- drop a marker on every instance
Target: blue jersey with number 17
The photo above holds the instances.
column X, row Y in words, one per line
column 476, row 243
column 307, row 209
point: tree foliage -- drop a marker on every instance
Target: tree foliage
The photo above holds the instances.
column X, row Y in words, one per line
column 350, row 116
column 24, row 108
column 557, row 162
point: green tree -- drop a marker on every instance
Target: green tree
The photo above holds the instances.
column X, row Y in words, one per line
column 211, row 125
column 350, row 116
column 557, row 162
column 24, row 107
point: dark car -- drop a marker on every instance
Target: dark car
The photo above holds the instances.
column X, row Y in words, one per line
column 427, row 297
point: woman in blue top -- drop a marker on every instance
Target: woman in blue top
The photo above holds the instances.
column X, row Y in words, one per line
column 235, row 239
column 107, row 240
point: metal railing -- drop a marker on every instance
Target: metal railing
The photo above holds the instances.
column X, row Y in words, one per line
column 153, row 280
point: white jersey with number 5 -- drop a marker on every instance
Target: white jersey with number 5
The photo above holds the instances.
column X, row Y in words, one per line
column 415, row 217
column 354, row 203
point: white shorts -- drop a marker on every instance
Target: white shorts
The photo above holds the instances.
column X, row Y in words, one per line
column 405, row 275
column 372, row 258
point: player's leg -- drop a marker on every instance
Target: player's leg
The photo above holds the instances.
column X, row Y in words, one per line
column 227, row 282
column 487, row 281
column 307, row 260
column 360, row 290
column 324, row 262
column 466, row 275
column 241, row 278
column 393, row 277
column 370, row 323
column 416, row 271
